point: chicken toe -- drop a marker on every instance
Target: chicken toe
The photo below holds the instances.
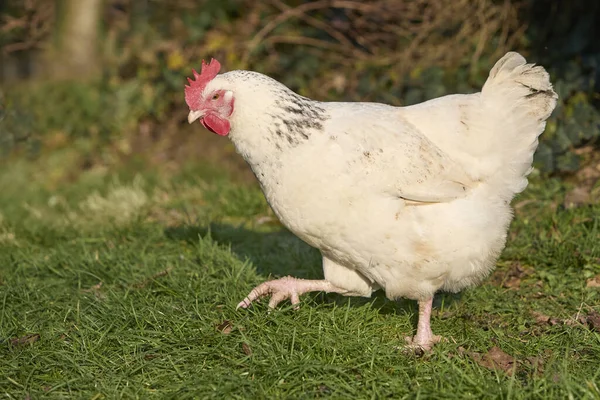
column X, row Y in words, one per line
column 287, row 288
column 424, row 339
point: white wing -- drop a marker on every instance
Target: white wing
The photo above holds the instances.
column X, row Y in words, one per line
column 395, row 156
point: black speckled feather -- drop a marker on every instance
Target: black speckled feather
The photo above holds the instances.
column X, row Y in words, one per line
column 295, row 118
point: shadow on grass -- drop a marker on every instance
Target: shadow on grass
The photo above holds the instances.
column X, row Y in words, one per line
column 276, row 253
column 280, row 253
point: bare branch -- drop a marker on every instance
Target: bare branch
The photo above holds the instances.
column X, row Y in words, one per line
column 298, row 11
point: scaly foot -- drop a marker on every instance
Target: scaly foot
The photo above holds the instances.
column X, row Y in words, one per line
column 417, row 344
column 287, row 288
column 424, row 340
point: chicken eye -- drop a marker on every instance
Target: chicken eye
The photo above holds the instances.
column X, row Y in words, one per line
column 215, row 96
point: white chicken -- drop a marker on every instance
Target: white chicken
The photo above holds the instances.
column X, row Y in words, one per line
column 412, row 200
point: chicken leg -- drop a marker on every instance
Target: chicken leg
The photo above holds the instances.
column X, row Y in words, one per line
column 424, row 339
column 288, row 288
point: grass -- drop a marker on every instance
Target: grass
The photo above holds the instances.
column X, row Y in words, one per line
column 125, row 286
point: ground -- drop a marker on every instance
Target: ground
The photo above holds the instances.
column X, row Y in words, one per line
column 124, row 284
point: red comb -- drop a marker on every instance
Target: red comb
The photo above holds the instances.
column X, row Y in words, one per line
column 195, row 88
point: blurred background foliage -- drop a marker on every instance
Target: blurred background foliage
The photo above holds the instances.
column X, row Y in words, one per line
column 105, row 77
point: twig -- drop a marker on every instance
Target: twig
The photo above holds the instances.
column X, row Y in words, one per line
column 36, row 22
column 303, row 40
column 297, row 11
column 483, row 35
column 317, row 24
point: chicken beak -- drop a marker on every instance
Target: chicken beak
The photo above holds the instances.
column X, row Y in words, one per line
column 194, row 115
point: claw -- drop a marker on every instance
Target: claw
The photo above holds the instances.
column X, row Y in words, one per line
column 243, row 304
column 279, row 290
column 424, row 340
column 416, row 346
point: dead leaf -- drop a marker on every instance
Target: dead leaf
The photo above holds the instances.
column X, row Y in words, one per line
column 593, row 282
column 543, row 319
column 324, row 389
column 585, row 179
column 96, row 291
column 512, row 282
column 24, row 340
column 246, row 349
column 225, row 327
column 146, row 281
column 537, row 364
column 577, row 197
column 591, row 169
column 445, row 314
column 511, row 278
column 523, row 203
column 265, row 219
column 577, row 320
column 580, row 151
column 539, row 317
column 95, row 287
column 495, row 359
column 593, row 320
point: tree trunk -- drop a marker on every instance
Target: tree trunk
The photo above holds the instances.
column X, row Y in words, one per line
column 75, row 53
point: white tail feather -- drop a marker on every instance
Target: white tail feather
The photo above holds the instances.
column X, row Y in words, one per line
column 492, row 134
column 517, row 98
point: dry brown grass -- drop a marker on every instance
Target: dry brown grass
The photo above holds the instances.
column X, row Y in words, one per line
column 389, row 32
column 345, row 37
column 380, row 32
column 33, row 26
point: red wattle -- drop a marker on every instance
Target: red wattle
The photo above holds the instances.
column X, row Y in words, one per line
column 216, row 125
